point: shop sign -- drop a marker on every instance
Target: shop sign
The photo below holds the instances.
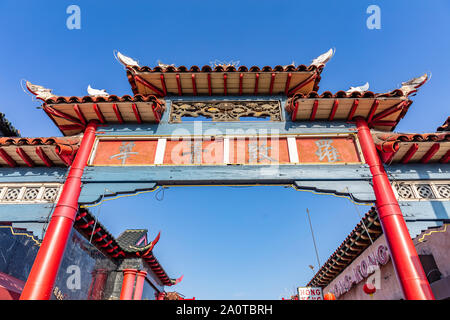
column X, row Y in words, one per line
column 357, row 272
column 310, row 293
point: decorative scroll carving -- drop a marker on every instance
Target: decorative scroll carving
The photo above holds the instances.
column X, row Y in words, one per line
column 225, row 110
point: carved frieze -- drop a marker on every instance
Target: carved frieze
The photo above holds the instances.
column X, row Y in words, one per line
column 422, row 190
column 225, row 110
column 29, row 193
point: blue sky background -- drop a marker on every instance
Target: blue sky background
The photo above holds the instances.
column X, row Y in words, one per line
column 230, row 243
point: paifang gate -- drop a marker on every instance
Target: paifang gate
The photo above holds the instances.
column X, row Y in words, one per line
column 226, row 125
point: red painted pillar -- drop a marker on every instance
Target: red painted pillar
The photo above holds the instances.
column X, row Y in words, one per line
column 408, row 268
column 140, row 279
column 42, row 276
column 99, row 284
column 128, row 284
column 91, row 286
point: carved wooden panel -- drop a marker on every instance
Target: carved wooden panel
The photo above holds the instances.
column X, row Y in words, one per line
column 225, row 110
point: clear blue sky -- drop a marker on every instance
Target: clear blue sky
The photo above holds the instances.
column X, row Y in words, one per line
column 230, row 243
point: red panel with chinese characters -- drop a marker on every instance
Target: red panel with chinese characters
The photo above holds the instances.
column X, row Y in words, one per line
column 258, row 151
column 239, row 150
column 187, row 151
column 327, row 150
column 125, row 152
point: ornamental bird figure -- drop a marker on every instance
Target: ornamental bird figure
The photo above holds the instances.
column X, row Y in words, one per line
column 362, row 88
column 164, row 66
column 95, row 92
column 126, row 61
column 323, row 58
column 39, row 91
column 411, row 86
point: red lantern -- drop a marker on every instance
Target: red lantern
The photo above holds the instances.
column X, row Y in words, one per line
column 329, row 296
column 369, row 288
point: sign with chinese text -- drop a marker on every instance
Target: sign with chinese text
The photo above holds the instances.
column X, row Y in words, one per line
column 341, row 149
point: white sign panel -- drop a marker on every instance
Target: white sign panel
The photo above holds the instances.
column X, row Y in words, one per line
column 310, row 293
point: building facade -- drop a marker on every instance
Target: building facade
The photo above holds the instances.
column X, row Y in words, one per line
column 361, row 267
column 93, row 265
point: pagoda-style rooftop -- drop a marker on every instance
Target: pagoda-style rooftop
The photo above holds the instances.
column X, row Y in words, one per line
column 224, row 79
column 35, row 152
column 6, row 128
column 406, row 148
column 299, row 84
column 71, row 114
column 129, row 244
column 228, row 80
column 382, row 111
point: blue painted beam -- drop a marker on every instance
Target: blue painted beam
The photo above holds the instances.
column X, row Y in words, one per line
column 171, row 98
column 425, row 210
column 359, row 191
column 33, row 175
column 94, row 192
column 226, row 174
column 417, row 227
column 25, row 212
column 37, row 228
column 222, row 128
column 418, row 171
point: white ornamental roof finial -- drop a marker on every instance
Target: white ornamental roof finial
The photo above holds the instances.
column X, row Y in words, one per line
column 361, row 89
column 323, row 58
column 165, row 66
column 96, row 93
column 126, row 61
